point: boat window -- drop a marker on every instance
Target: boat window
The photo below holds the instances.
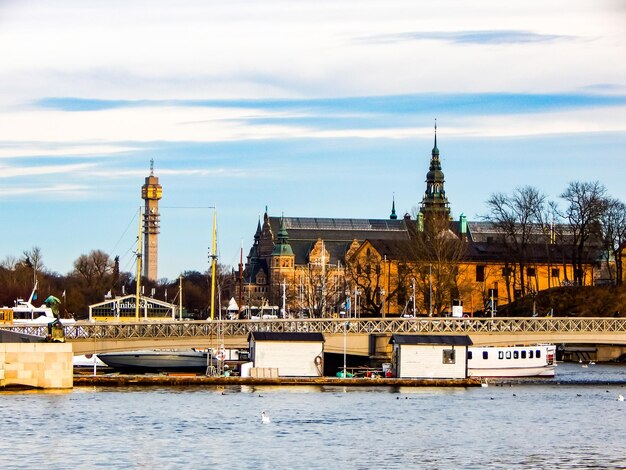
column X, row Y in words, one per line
column 500, row 355
column 508, row 354
column 485, row 354
column 469, row 354
column 515, row 354
column 530, row 354
column 538, row 353
column 449, row 356
column 523, row 354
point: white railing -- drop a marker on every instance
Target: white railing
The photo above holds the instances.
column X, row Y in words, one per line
column 181, row 329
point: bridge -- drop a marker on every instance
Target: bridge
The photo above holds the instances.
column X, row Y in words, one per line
column 362, row 336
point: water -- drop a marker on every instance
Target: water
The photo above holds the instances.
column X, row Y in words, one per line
column 550, row 425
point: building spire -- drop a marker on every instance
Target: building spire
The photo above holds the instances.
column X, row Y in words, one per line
column 282, row 247
column 393, row 215
column 435, row 200
column 435, row 149
column 152, row 167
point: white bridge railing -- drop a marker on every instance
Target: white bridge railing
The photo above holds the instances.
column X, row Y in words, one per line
column 181, row 329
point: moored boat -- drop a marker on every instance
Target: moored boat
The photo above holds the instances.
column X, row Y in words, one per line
column 157, row 360
column 511, row 361
column 24, row 312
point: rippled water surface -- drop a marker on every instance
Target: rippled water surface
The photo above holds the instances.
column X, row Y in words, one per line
column 550, row 425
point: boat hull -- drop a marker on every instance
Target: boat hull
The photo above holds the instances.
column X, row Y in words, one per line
column 156, row 361
column 544, row 371
column 511, row 361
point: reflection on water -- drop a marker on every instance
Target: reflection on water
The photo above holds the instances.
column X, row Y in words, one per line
column 528, row 426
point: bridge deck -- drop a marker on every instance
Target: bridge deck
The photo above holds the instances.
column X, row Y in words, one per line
column 98, row 337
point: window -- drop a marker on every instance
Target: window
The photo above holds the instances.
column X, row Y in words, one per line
column 500, row 354
column 523, row 354
column 555, row 272
column 506, row 272
column 485, row 354
column 531, row 272
column 449, row 356
column 530, row 354
column 537, row 353
column 515, row 354
column 469, row 355
column 508, row 354
column 480, row 273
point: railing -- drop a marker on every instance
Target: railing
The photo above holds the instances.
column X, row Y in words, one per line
column 182, row 329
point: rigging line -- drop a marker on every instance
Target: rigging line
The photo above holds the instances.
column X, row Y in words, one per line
column 130, row 249
column 124, row 233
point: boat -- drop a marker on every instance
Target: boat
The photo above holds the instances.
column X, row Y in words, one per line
column 24, row 312
column 511, row 361
column 87, row 361
column 158, row 360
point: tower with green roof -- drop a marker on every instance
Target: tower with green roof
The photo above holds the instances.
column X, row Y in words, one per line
column 435, row 203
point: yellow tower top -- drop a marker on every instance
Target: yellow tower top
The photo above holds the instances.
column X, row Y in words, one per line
column 151, row 190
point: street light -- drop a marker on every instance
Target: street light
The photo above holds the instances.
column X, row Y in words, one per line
column 346, row 325
column 430, row 290
column 413, row 287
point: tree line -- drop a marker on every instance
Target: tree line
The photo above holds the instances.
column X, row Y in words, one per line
column 95, row 277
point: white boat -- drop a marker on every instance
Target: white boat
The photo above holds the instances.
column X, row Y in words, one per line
column 25, row 312
column 157, row 360
column 511, row 361
column 87, row 361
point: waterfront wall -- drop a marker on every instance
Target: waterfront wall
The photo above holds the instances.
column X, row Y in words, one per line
column 38, row 365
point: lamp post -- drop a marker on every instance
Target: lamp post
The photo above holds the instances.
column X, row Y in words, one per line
column 346, row 325
column 430, row 290
column 382, row 300
column 413, row 296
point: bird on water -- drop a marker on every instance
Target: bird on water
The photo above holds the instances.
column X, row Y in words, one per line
column 265, row 418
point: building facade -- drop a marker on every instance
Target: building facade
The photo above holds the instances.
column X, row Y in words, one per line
column 422, row 265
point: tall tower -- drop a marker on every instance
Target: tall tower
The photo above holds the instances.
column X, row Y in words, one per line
column 435, row 203
column 151, row 192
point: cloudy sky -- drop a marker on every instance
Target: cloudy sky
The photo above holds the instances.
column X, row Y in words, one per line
column 311, row 108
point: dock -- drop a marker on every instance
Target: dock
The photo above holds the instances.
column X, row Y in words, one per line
column 173, row 380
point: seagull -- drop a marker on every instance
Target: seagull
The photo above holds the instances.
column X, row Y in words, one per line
column 265, row 418
column 620, row 397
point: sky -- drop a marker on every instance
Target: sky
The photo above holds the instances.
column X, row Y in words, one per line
column 310, row 108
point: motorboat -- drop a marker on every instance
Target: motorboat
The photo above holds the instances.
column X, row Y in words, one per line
column 511, row 361
column 24, row 312
column 87, row 361
column 158, row 360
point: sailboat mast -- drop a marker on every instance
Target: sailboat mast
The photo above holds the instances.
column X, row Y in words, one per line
column 213, row 263
column 240, row 275
column 180, row 297
column 138, row 291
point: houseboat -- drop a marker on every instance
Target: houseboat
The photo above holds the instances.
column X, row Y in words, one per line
column 511, row 361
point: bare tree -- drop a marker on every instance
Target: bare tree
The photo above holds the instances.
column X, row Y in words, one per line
column 437, row 255
column 371, row 272
column 587, row 203
column 517, row 217
column 614, row 237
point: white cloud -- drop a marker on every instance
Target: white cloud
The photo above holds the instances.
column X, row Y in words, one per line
column 20, row 171
column 65, row 190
